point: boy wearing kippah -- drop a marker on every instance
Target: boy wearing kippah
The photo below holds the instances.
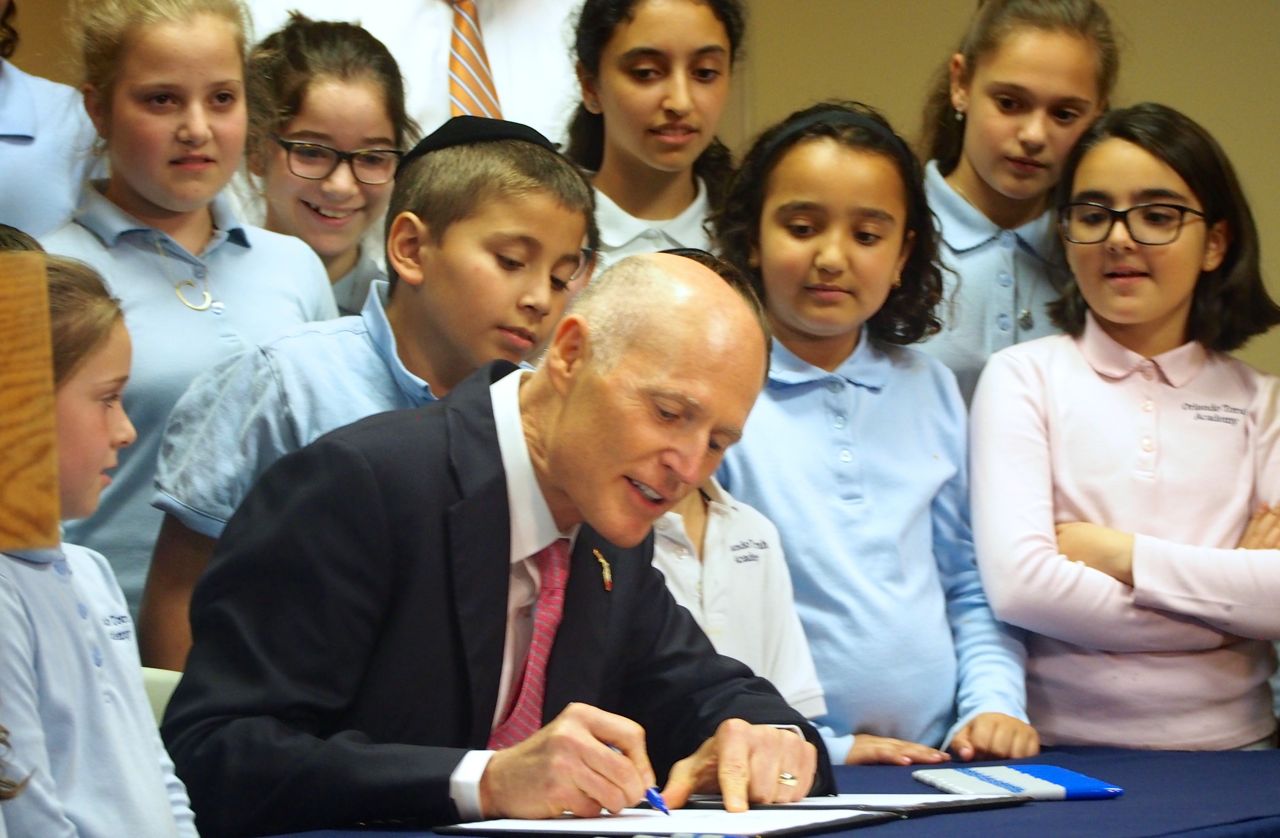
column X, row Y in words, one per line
column 486, row 231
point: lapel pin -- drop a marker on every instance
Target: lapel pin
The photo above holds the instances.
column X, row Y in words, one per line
column 606, row 572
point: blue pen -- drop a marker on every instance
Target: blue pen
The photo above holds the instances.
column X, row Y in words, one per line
column 654, row 797
column 651, row 794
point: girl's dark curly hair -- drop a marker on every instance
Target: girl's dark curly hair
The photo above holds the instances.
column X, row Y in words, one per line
column 596, row 24
column 1230, row 303
column 907, row 315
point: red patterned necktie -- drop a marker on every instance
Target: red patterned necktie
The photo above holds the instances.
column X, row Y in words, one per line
column 471, row 88
column 526, row 714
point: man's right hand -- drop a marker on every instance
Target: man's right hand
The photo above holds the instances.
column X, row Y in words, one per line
column 583, row 761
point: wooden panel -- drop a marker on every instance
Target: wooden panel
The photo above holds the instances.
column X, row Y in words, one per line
column 28, row 459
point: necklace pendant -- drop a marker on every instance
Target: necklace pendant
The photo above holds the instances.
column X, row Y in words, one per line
column 1025, row 320
column 205, row 299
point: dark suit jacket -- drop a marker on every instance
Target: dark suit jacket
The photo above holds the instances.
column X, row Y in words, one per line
column 349, row 634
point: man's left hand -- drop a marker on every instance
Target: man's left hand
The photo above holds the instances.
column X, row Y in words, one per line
column 745, row 763
column 995, row 736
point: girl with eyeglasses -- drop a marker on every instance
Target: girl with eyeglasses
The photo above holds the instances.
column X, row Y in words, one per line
column 1117, row 468
column 327, row 123
column 164, row 85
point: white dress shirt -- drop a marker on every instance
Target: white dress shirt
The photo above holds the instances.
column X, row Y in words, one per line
column 532, row 529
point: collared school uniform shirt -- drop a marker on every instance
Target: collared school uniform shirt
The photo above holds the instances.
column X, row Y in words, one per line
column 261, row 283
column 1266, row 414
column 45, row 150
column 863, row 470
column 996, row 282
column 351, row 290
column 240, row 417
column 623, row 235
column 739, row 591
column 81, row 728
column 1081, row 429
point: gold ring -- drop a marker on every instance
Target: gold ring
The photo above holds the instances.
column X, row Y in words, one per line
column 786, row 778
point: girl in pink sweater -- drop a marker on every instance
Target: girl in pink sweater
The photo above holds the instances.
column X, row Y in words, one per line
column 1116, row 467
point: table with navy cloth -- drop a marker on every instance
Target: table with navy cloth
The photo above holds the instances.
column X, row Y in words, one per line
column 1166, row 793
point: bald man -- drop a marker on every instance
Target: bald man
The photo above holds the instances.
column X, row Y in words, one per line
column 364, row 626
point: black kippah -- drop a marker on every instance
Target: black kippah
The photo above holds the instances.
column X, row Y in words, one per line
column 467, row 130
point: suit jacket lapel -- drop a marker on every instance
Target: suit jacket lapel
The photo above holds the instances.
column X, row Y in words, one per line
column 479, row 544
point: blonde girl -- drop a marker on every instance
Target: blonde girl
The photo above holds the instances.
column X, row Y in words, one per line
column 164, row 86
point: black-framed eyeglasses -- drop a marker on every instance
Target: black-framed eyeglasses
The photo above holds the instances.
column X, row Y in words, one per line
column 1085, row 222
column 313, row 161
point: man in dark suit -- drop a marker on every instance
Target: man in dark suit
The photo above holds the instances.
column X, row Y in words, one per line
column 363, row 627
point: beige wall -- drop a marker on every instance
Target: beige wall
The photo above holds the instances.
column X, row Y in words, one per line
column 1213, row 60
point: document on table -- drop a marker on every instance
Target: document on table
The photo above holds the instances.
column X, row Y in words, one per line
column 702, row 822
column 903, row 804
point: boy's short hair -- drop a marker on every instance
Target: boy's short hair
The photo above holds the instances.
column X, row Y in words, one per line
column 450, row 184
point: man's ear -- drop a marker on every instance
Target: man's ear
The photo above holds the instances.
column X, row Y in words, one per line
column 97, row 109
column 406, row 238
column 568, row 352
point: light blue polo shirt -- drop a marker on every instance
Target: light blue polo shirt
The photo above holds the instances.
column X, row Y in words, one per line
column 997, row 282
column 46, row 142
column 864, row 471
column 263, row 284
column 242, row 416
column 80, row 725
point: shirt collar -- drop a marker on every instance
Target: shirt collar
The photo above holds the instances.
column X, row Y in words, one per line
column 1108, row 358
column 40, row 555
column 863, row 368
column 358, row 279
column 671, row 524
column 109, row 223
column 967, row 228
column 619, row 228
column 17, row 104
column 532, row 526
column 374, row 315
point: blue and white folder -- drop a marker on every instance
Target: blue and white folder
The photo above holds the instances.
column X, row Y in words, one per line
column 1039, row 782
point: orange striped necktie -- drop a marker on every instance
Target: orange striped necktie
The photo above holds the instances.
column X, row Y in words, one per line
column 471, row 88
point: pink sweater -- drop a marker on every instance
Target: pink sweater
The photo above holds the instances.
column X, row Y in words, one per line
column 1170, row 448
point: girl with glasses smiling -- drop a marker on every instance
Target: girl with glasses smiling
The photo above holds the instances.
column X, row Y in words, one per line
column 1116, row 467
column 327, row 121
